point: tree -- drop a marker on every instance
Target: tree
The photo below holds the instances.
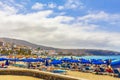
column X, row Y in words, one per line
column 60, row 53
column 46, row 53
column 38, row 48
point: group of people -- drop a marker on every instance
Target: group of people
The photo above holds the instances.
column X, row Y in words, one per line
column 2, row 65
column 41, row 66
column 71, row 66
column 66, row 65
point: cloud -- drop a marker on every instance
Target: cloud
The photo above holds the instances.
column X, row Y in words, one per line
column 7, row 9
column 60, row 7
column 12, row 7
column 71, row 4
column 38, row 6
column 52, row 5
column 61, row 31
column 102, row 21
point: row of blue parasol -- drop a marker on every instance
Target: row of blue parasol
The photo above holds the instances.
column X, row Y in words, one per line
column 55, row 61
column 114, row 63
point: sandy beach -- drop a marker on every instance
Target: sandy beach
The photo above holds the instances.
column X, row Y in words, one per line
column 13, row 77
column 91, row 76
column 78, row 74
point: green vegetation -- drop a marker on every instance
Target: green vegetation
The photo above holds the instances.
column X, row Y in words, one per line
column 18, row 52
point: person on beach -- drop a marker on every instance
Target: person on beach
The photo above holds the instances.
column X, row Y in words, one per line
column 109, row 69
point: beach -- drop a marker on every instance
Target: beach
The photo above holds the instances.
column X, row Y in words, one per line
column 13, row 77
column 74, row 68
column 90, row 76
column 77, row 74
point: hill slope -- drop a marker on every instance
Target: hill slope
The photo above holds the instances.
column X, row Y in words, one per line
column 65, row 51
column 24, row 43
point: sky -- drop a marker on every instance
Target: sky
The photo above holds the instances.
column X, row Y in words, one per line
column 77, row 24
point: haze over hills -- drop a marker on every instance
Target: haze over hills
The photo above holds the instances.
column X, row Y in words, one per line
column 63, row 51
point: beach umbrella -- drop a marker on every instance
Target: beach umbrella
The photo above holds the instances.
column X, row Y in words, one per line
column 7, row 62
column 84, row 61
column 98, row 62
column 65, row 59
column 115, row 64
column 93, row 60
column 46, row 63
column 108, row 61
column 29, row 60
column 74, row 61
column 56, row 62
column 48, row 58
column 40, row 60
column 14, row 59
column 2, row 59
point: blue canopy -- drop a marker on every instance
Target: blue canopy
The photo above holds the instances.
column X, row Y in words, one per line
column 98, row 62
column 94, row 60
column 14, row 59
column 2, row 59
column 74, row 61
column 29, row 60
column 65, row 59
column 41, row 60
column 56, row 62
column 47, row 58
column 84, row 61
column 115, row 64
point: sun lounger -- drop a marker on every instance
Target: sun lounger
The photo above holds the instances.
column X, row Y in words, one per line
column 86, row 69
column 116, row 73
column 59, row 71
column 20, row 65
column 102, row 72
column 4, row 66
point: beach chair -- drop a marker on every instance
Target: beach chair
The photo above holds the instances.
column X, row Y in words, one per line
column 116, row 73
column 37, row 66
column 59, row 71
column 43, row 68
column 86, row 69
column 102, row 72
column 4, row 66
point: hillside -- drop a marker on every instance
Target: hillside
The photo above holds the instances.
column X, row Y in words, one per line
column 79, row 52
column 24, row 43
column 64, row 51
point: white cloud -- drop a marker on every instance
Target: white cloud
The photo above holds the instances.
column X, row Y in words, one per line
column 52, row 5
column 72, row 4
column 100, row 16
column 60, row 7
column 59, row 31
column 38, row 6
column 7, row 9
column 11, row 7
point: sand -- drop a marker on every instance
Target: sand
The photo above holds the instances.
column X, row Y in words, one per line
column 91, row 76
column 78, row 74
column 13, row 77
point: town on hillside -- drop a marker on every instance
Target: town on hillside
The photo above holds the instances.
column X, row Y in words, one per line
column 19, row 50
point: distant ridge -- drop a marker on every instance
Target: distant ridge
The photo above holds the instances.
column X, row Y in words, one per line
column 24, row 43
column 64, row 51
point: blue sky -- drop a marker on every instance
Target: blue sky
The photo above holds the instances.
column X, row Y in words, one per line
column 110, row 6
column 63, row 23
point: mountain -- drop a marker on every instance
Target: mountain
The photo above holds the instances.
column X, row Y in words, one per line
column 79, row 52
column 24, row 43
column 63, row 51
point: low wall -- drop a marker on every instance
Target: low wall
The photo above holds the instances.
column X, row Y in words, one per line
column 38, row 74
